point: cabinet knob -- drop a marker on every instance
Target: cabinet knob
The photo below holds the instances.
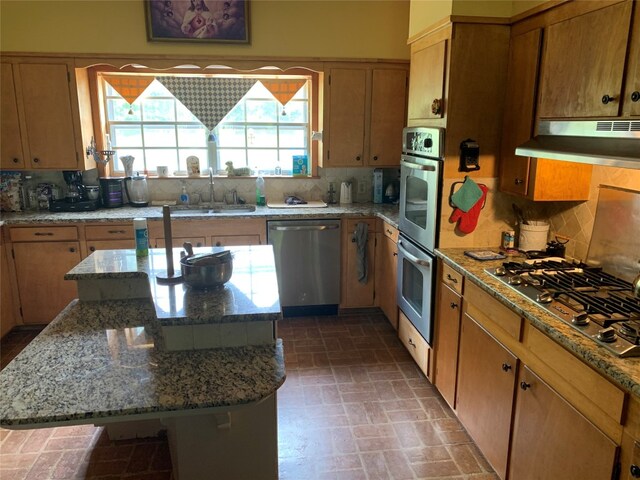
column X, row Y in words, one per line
column 607, row 99
column 36, row 160
column 506, row 367
column 635, row 96
column 218, row 244
column 92, row 249
column 635, row 471
column 524, row 385
column 72, row 250
column 358, row 158
column 519, row 181
column 375, row 157
column 453, row 305
column 199, row 244
column 15, row 160
column 436, row 106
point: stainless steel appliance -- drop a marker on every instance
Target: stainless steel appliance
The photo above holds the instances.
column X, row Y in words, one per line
column 597, row 304
column 420, row 189
column 307, row 257
column 137, row 190
column 76, row 199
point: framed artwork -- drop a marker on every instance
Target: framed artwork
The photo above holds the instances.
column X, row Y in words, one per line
column 225, row 21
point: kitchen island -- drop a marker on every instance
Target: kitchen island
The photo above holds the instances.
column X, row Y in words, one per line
column 105, row 362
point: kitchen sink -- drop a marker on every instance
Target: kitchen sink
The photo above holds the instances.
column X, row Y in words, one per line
column 217, row 209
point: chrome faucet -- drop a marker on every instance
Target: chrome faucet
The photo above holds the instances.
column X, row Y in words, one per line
column 211, row 196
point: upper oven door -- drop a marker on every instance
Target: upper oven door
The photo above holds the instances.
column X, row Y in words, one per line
column 420, row 184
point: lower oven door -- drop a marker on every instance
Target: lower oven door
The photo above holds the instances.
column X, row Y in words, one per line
column 416, row 281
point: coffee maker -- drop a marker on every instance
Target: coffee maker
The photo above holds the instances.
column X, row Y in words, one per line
column 76, row 199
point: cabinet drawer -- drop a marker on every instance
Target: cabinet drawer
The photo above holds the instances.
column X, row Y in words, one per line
column 43, row 234
column 561, row 369
column 109, row 232
column 390, row 231
column 351, row 223
column 414, row 343
column 491, row 314
column 452, row 279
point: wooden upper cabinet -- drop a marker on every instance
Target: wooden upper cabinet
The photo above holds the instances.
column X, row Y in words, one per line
column 583, row 64
column 48, row 118
column 11, row 154
column 388, row 113
column 427, row 81
column 631, row 99
column 347, row 105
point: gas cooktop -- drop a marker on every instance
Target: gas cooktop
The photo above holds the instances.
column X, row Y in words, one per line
column 597, row 304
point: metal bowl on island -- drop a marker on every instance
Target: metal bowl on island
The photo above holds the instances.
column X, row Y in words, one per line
column 207, row 270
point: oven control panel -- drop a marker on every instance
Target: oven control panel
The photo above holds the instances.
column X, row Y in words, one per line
column 423, row 141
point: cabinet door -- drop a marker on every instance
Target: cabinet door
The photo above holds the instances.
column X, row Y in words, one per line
column 11, row 154
column 446, row 343
column 584, row 61
column 631, row 100
column 426, row 81
column 93, row 245
column 552, row 440
column 347, row 106
column 47, row 115
column 519, row 112
column 7, row 318
column 386, row 277
column 486, row 384
column 40, row 268
column 388, row 101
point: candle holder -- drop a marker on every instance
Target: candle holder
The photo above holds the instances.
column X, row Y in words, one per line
column 100, row 156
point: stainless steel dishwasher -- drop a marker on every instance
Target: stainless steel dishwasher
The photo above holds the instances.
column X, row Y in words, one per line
column 307, row 254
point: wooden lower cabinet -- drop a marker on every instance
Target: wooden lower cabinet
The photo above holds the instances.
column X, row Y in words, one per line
column 553, row 440
column 355, row 293
column 40, row 270
column 415, row 344
column 179, row 241
column 109, row 237
column 233, row 240
column 386, row 274
column 447, row 333
column 7, row 310
column 484, row 400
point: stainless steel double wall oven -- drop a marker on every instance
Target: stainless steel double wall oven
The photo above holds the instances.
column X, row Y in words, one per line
column 420, row 189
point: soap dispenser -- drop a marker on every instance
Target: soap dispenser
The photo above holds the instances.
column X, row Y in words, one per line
column 184, row 196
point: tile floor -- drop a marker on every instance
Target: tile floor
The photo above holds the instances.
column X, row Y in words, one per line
column 354, row 406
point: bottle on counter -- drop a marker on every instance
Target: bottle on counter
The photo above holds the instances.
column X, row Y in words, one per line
column 260, row 197
column 184, row 196
column 142, row 237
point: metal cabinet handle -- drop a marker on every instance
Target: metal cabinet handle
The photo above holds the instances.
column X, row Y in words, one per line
column 116, row 231
column 506, row 367
column 524, row 385
column 635, row 97
column 306, row 227
column 389, row 232
column 43, row 234
column 451, row 279
column 411, row 343
column 608, row 99
column 453, row 305
column 519, row 181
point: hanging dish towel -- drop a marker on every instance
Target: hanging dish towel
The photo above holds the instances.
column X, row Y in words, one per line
column 467, row 221
column 467, row 195
column 360, row 236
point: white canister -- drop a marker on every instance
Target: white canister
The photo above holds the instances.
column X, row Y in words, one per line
column 533, row 236
column 345, row 192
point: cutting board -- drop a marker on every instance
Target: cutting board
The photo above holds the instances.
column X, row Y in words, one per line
column 310, row 204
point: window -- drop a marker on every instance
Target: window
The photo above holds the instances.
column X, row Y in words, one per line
column 258, row 132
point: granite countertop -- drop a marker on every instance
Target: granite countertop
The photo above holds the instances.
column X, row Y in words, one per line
column 97, row 361
column 251, row 294
column 624, row 372
column 387, row 212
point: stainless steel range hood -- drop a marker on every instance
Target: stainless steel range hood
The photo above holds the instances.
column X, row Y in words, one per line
column 597, row 142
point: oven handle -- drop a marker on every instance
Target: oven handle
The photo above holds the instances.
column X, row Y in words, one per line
column 426, row 168
column 413, row 258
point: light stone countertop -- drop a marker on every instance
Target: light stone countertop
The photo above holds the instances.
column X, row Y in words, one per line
column 96, row 363
column 251, row 294
column 624, row 372
column 387, row 212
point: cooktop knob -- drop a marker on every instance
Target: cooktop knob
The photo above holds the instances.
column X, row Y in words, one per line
column 580, row 319
column 500, row 271
column 544, row 297
column 515, row 280
column 607, row 335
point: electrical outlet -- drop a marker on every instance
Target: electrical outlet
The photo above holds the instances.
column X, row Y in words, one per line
column 362, row 187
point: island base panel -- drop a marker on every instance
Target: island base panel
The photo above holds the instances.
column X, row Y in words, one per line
column 241, row 443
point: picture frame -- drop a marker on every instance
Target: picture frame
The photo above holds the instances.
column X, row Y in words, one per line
column 217, row 21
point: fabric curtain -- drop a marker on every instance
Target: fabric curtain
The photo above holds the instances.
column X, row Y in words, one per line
column 130, row 87
column 210, row 99
column 283, row 89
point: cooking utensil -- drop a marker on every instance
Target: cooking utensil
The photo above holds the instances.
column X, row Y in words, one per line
column 188, row 247
column 206, row 275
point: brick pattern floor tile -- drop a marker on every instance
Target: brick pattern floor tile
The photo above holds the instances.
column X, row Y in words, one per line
column 354, row 407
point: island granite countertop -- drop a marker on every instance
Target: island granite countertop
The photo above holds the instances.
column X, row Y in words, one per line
column 96, row 363
column 624, row 372
column 387, row 212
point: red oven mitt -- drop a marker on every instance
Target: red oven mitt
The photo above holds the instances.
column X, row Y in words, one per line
column 467, row 221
